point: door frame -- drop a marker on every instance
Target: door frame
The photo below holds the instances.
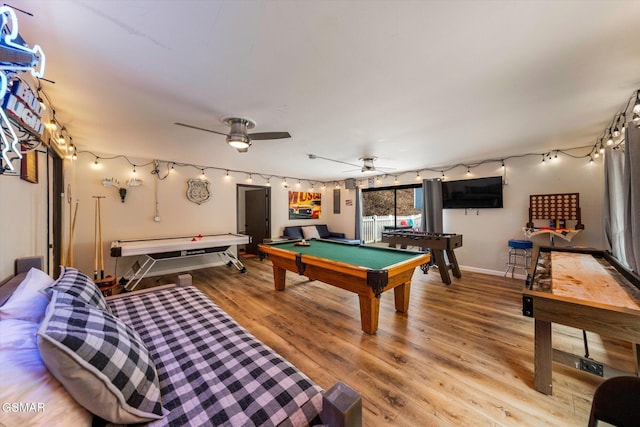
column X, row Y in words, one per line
column 241, row 203
column 55, row 197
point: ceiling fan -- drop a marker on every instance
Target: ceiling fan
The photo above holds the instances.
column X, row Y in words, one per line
column 238, row 137
column 367, row 164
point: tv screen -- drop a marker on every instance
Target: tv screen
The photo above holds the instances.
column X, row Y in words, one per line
column 472, row 193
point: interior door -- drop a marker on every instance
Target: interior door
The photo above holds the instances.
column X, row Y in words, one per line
column 256, row 208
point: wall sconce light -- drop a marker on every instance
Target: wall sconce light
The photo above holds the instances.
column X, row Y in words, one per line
column 133, row 182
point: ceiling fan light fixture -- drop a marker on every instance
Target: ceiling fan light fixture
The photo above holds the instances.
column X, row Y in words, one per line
column 239, row 142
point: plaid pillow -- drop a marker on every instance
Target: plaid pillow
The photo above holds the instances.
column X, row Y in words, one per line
column 101, row 362
column 79, row 285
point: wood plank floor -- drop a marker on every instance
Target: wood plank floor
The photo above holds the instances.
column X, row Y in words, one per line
column 462, row 355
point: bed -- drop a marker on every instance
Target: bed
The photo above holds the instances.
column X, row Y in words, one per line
column 168, row 356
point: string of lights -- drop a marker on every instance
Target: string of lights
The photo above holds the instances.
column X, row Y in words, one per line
column 163, row 168
column 613, row 135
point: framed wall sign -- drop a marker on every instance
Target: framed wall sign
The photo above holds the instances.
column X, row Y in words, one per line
column 29, row 166
column 304, row 205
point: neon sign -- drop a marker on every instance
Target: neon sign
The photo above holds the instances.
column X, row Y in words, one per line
column 20, row 103
column 23, row 106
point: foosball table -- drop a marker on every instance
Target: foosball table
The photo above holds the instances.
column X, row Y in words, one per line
column 436, row 243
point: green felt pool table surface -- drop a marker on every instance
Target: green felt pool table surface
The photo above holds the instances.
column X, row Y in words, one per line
column 371, row 257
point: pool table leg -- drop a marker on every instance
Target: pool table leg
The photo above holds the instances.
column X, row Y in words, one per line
column 369, row 313
column 279, row 277
column 401, row 294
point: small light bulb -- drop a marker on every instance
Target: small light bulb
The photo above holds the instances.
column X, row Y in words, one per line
column 616, row 132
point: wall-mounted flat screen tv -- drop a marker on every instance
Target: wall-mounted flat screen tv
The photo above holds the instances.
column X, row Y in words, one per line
column 472, row 193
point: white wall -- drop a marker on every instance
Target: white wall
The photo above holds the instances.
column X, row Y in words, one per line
column 23, row 217
column 486, row 231
column 134, row 218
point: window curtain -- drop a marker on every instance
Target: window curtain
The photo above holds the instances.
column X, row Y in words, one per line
column 622, row 200
column 614, row 196
column 632, row 209
column 432, row 206
column 358, row 231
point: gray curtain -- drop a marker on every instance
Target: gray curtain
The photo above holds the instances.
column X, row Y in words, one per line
column 358, row 233
column 615, row 196
column 432, row 206
column 622, row 199
column 632, row 211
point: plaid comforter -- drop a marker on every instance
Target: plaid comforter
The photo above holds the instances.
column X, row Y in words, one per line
column 211, row 370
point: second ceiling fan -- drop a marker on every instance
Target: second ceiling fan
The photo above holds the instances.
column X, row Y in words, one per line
column 367, row 164
column 238, row 137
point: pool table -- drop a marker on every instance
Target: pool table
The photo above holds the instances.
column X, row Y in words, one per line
column 366, row 270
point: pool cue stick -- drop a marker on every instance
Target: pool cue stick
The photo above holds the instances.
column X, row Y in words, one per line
column 69, row 201
column 95, row 238
column 73, row 227
column 100, row 240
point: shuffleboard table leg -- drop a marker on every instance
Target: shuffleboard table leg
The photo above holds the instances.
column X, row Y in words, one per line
column 543, row 357
column 279, row 278
column 401, row 294
column 369, row 313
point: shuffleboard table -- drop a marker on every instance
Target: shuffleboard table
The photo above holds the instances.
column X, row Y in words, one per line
column 365, row 270
column 586, row 289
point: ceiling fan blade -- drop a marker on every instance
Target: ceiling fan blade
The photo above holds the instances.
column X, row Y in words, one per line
column 199, row 128
column 269, row 135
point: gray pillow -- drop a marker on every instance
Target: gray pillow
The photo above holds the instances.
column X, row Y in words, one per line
column 101, row 362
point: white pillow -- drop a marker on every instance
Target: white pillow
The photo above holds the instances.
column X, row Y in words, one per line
column 27, row 302
column 25, row 380
column 310, row 232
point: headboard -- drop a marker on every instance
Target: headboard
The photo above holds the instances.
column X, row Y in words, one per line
column 22, row 267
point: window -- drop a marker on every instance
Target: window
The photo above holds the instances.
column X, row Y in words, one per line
column 390, row 208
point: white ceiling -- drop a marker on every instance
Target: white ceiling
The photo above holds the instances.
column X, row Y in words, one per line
column 416, row 84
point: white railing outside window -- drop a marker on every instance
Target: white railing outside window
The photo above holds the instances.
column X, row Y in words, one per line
column 373, row 226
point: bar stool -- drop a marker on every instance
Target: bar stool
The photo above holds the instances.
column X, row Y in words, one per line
column 519, row 255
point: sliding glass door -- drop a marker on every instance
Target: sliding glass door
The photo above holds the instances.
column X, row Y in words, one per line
column 390, row 208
